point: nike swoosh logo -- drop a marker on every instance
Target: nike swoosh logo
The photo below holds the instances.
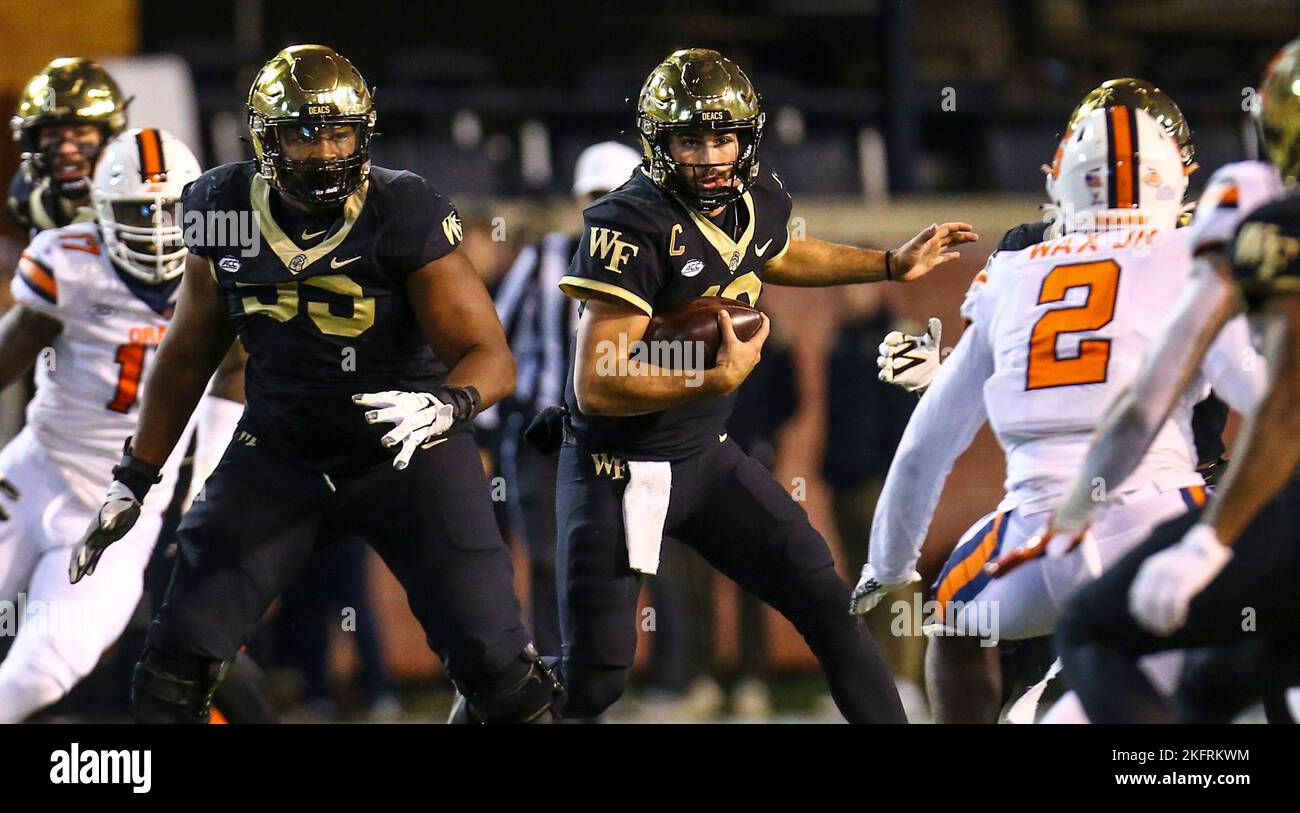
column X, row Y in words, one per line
column 722, row 438
column 433, row 443
column 334, row 261
column 759, row 251
column 313, row 235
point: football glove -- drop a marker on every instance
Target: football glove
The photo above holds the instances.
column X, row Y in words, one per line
column 1167, row 582
column 911, row 362
column 132, row 479
column 7, row 489
column 420, row 419
column 870, row 590
column 115, row 517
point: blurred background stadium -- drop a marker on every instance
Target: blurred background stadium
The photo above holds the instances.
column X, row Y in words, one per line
column 882, row 117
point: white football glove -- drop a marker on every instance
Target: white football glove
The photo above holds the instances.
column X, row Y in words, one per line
column 911, row 362
column 419, row 418
column 870, row 590
column 115, row 518
column 1167, row 582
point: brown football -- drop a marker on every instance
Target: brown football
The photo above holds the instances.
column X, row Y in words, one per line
column 697, row 321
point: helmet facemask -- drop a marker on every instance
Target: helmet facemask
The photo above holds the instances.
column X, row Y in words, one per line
column 144, row 236
column 684, row 179
column 314, row 182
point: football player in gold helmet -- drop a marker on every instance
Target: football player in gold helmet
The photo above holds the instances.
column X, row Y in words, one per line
column 65, row 116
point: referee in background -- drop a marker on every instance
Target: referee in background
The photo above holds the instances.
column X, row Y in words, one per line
column 539, row 320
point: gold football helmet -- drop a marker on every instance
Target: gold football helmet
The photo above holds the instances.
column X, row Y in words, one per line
column 1278, row 112
column 1139, row 94
column 303, row 89
column 698, row 89
column 69, row 90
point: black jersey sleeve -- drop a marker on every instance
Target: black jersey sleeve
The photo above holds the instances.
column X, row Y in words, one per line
column 617, row 256
column 200, row 197
column 421, row 225
column 1266, row 252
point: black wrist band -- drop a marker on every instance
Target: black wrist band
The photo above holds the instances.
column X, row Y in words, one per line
column 135, row 473
column 889, row 274
column 465, row 400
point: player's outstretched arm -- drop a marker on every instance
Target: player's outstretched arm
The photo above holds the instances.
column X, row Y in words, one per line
column 1268, row 450
column 942, row 426
column 197, row 339
column 24, row 333
column 814, row 263
column 608, row 383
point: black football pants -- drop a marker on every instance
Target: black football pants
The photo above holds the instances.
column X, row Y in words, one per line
column 263, row 514
column 730, row 509
column 1251, row 606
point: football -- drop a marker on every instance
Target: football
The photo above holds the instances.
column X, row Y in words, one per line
column 697, row 321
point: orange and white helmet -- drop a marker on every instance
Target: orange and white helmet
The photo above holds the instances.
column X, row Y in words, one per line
column 137, row 191
column 1117, row 167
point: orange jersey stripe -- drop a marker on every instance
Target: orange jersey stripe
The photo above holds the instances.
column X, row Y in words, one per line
column 38, row 277
column 1198, row 495
column 1122, row 160
column 970, row 567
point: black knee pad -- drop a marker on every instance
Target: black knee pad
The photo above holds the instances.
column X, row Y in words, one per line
column 173, row 688
column 523, row 692
column 592, row 689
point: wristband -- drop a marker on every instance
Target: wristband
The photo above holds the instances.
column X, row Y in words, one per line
column 889, row 274
column 464, row 400
column 136, row 474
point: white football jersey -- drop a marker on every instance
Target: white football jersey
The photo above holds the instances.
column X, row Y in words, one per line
column 1067, row 322
column 89, row 382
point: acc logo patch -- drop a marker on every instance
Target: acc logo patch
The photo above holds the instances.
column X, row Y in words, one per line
column 102, row 311
column 230, row 264
column 692, row 268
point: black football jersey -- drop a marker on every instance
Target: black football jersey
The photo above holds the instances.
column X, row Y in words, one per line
column 1266, row 251
column 34, row 206
column 644, row 246
column 321, row 305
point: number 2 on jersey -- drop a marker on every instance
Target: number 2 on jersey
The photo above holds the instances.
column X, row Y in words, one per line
column 1048, row 369
column 130, row 358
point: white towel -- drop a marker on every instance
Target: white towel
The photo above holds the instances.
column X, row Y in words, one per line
column 645, row 508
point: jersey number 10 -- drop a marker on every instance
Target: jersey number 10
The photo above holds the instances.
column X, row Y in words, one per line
column 1048, row 369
